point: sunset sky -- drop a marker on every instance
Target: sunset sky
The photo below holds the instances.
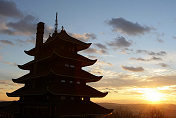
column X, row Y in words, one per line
column 133, row 40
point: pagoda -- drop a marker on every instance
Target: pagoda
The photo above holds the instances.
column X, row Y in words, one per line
column 56, row 85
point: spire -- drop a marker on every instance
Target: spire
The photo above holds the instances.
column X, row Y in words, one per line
column 62, row 28
column 56, row 24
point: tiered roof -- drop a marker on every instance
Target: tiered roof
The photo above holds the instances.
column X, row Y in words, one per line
column 87, row 77
column 56, row 39
column 48, row 65
column 56, row 89
column 55, row 60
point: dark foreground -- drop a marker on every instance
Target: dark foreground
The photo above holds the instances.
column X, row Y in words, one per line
column 141, row 110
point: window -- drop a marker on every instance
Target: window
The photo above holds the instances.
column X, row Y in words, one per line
column 63, row 81
column 69, row 66
column 66, row 65
column 72, row 66
column 78, row 82
column 71, row 82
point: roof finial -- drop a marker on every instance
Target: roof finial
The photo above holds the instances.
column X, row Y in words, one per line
column 56, row 24
column 62, row 28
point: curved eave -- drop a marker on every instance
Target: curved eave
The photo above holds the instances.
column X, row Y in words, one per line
column 16, row 81
column 13, row 94
column 26, row 91
column 80, row 95
column 84, row 61
column 9, row 94
column 94, row 80
column 30, row 52
column 88, row 63
column 64, row 36
column 24, row 78
column 24, row 67
column 104, row 94
column 20, row 81
column 83, row 47
column 78, row 90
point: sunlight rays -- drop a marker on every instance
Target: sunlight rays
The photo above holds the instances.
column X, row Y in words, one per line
column 153, row 96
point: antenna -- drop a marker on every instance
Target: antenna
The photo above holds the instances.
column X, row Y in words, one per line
column 56, row 24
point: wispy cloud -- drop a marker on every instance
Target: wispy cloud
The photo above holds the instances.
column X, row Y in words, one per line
column 17, row 42
column 23, row 24
column 174, row 37
column 6, row 42
column 9, row 9
column 133, row 69
column 126, row 80
column 101, row 46
column 84, row 37
column 127, row 27
column 149, row 59
column 161, row 53
column 120, row 42
column 94, row 50
column 163, row 65
column 8, row 63
column 21, row 42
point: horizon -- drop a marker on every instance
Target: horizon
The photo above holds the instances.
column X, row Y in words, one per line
column 132, row 40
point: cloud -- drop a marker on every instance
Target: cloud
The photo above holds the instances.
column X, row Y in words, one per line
column 22, row 24
column 120, row 42
column 9, row 9
column 159, row 37
column 25, row 26
column 93, row 50
column 84, row 37
column 21, row 42
column 103, row 63
column 8, row 63
column 126, row 51
column 101, row 46
column 174, row 37
column 161, row 53
column 18, row 41
column 126, row 80
column 91, row 35
column 4, row 28
column 127, row 27
column 150, row 59
column 163, row 65
column 133, row 69
column 6, row 42
column 160, row 40
column 109, row 90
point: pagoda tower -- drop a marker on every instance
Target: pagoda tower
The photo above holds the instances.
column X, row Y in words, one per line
column 56, row 86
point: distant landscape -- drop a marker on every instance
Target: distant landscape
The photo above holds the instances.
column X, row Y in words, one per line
column 141, row 110
column 134, row 110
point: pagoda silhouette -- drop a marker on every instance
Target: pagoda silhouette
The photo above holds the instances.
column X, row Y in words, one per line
column 56, row 86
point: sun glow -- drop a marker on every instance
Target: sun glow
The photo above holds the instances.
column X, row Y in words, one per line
column 153, row 96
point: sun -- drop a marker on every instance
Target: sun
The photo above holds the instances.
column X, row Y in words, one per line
column 153, row 96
